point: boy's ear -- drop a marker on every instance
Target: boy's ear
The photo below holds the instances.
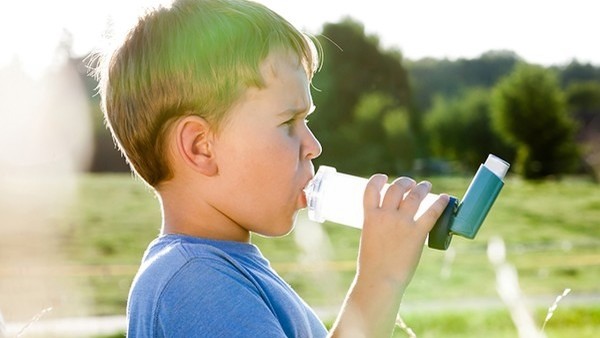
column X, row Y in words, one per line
column 194, row 139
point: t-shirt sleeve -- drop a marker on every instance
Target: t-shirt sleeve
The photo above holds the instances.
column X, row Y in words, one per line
column 211, row 298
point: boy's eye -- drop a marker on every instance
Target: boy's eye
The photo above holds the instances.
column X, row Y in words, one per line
column 289, row 125
column 292, row 123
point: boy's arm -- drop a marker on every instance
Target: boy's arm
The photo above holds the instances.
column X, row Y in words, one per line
column 390, row 249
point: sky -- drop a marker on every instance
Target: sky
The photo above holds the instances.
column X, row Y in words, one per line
column 543, row 32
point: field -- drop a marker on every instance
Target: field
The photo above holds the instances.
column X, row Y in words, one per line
column 550, row 229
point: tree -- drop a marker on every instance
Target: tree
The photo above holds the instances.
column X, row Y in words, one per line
column 460, row 128
column 384, row 136
column 578, row 72
column 529, row 110
column 584, row 105
column 583, row 99
column 430, row 77
column 354, row 66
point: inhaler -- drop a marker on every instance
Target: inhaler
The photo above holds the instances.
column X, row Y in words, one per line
column 338, row 197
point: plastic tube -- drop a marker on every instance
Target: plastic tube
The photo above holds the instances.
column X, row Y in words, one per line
column 338, row 197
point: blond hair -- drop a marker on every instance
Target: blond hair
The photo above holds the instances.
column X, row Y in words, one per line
column 195, row 57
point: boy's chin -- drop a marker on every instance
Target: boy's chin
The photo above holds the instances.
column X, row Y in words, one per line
column 275, row 234
column 282, row 229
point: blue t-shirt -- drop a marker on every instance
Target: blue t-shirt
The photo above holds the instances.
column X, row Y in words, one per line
column 194, row 287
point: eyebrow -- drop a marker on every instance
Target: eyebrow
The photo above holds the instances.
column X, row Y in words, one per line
column 295, row 112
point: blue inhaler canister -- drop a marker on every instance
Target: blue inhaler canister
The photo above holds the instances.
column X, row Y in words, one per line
column 479, row 198
column 469, row 214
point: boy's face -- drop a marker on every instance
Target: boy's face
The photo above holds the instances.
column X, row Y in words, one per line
column 265, row 148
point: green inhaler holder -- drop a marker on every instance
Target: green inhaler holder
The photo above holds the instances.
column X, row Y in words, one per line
column 465, row 217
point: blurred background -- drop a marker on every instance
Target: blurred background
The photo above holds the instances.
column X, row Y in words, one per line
column 421, row 88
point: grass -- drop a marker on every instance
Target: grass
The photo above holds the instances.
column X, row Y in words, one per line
column 581, row 322
column 550, row 229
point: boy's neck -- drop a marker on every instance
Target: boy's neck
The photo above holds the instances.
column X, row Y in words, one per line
column 184, row 214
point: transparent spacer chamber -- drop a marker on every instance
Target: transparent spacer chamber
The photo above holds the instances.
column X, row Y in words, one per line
column 338, row 197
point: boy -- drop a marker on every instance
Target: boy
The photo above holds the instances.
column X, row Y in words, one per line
column 208, row 101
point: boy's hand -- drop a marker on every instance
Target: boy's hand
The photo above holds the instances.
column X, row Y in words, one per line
column 390, row 248
column 392, row 240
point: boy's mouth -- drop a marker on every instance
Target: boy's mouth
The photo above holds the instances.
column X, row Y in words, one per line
column 303, row 202
column 305, row 191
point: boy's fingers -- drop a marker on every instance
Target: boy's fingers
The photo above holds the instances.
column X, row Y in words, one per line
column 434, row 212
column 372, row 197
column 415, row 196
column 395, row 193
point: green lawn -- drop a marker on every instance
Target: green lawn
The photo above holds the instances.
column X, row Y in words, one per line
column 551, row 231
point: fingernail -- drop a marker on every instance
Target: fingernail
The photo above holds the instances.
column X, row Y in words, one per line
column 426, row 183
column 406, row 182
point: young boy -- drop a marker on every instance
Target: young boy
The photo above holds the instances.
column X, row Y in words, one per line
column 208, row 101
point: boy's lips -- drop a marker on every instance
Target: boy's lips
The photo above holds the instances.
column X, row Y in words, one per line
column 303, row 198
column 303, row 201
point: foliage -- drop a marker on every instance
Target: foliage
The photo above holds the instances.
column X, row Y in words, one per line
column 584, row 94
column 584, row 105
column 578, row 72
column 460, row 128
column 378, row 139
column 530, row 112
column 430, row 77
column 583, row 99
column 357, row 87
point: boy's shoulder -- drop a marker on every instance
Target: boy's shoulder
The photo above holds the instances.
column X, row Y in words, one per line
column 179, row 272
column 172, row 255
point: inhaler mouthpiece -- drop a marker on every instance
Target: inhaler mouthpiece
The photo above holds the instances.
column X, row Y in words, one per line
column 335, row 197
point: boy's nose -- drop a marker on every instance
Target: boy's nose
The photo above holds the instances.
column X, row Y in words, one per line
column 311, row 147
